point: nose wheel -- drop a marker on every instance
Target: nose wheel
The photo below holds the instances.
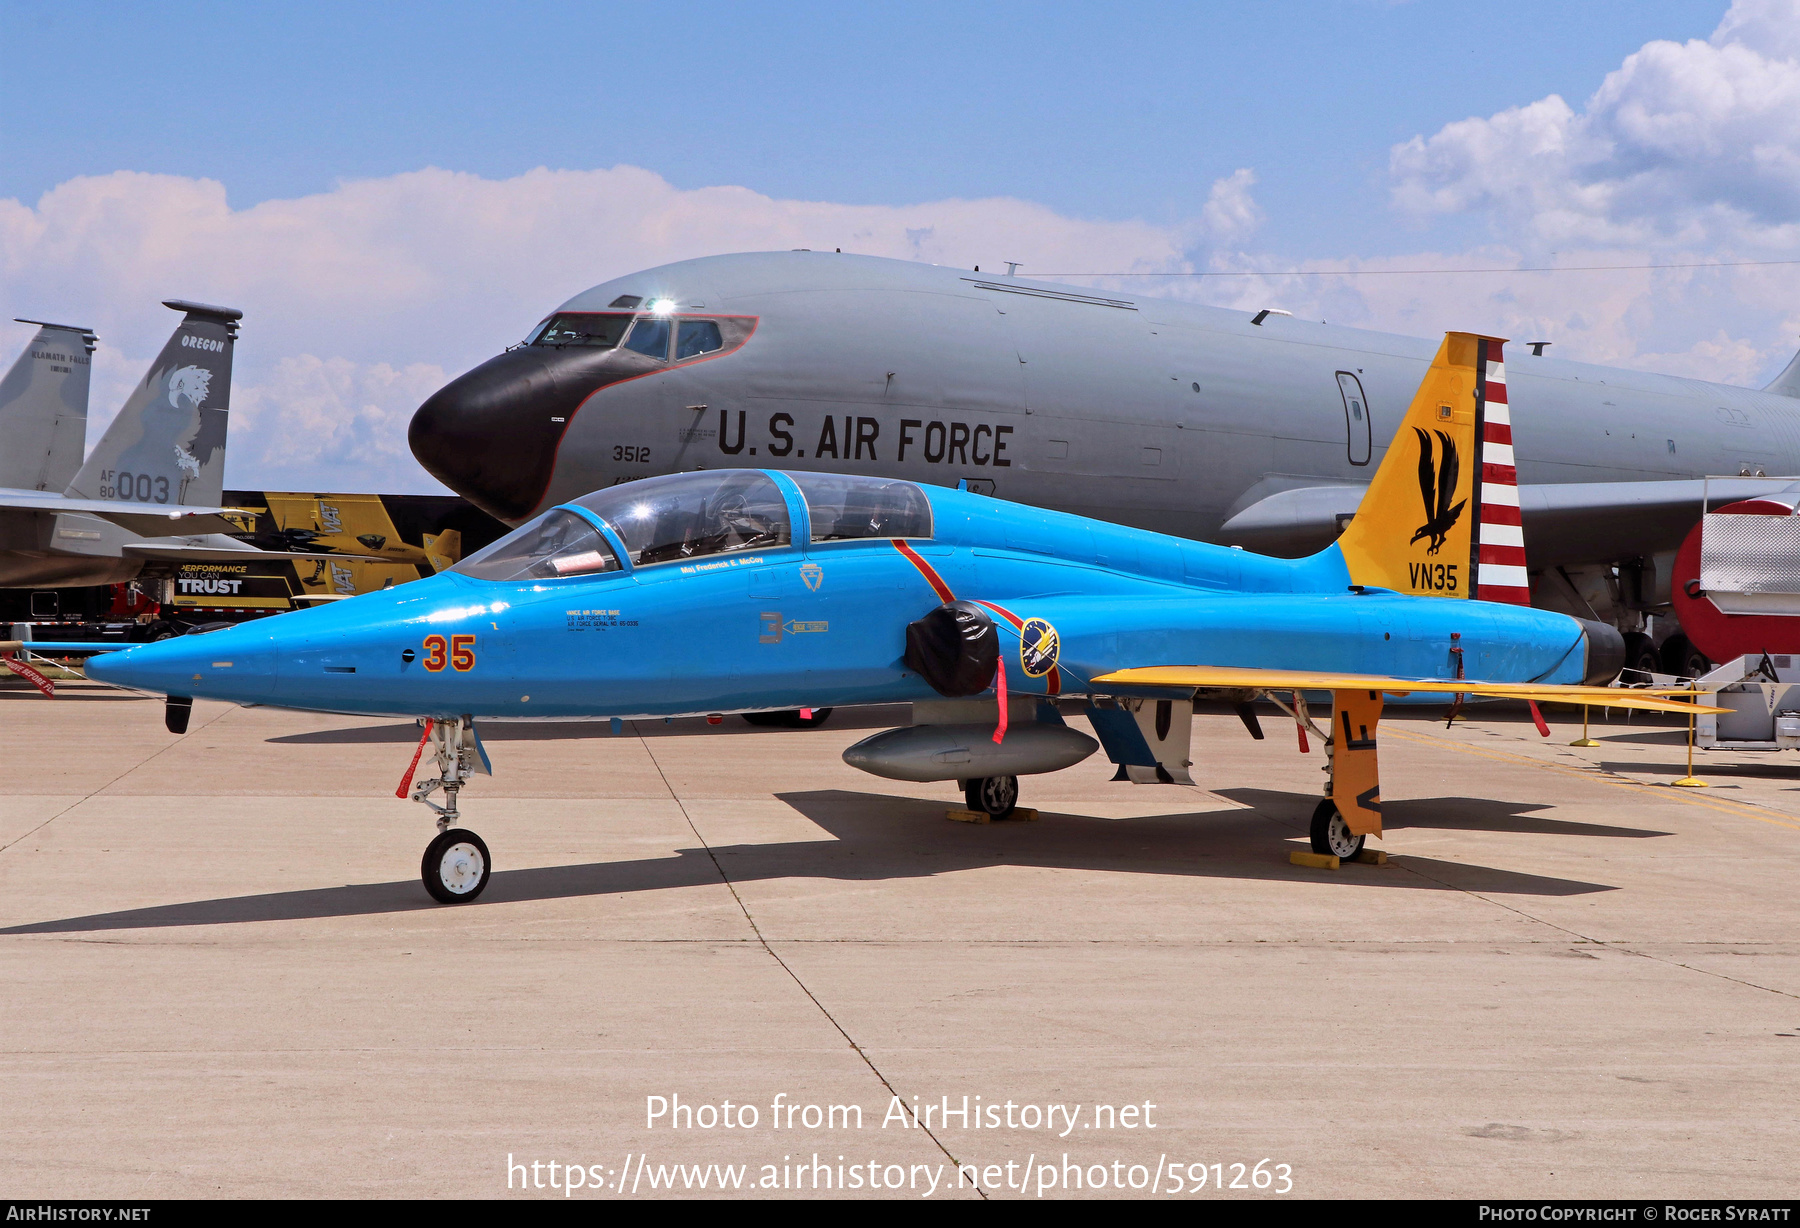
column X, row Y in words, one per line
column 456, row 866
column 1331, row 835
column 993, row 795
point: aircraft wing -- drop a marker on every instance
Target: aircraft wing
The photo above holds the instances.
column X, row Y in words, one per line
column 146, row 519
column 1191, row 677
column 181, row 552
column 1565, row 522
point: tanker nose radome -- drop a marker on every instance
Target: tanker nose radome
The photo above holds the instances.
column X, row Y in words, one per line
column 491, row 435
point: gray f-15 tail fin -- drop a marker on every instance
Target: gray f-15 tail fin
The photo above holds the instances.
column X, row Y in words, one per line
column 43, row 409
column 167, row 446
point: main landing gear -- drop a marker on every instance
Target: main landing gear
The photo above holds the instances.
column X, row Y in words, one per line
column 1331, row 835
column 457, row 864
column 993, row 795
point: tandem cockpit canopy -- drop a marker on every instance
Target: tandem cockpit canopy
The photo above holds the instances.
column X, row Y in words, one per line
column 681, row 516
column 843, row 507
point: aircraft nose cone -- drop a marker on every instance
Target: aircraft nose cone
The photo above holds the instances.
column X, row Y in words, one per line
column 237, row 664
column 491, row 434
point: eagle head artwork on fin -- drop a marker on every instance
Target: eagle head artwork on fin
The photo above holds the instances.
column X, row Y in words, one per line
column 191, row 384
column 1437, row 483
column 1460, row 423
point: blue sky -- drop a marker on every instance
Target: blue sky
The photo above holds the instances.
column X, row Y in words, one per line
column 362, row 179
column 1105, row 111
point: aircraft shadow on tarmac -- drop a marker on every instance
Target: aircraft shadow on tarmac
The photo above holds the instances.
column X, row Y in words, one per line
column 873, row 837
column 880, row 717
column 23, row 691
column 1704, row 768
column 1446, row 813
column 1653, row 737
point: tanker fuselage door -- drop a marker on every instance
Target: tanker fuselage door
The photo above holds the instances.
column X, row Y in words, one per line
column 1356, row 417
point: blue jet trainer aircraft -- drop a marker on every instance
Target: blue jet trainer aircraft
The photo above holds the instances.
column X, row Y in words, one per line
column 744, row 590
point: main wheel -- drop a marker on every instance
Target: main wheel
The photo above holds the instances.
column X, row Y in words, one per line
column 456, row 866
column 1681, row 658
column 995, row 795
column 1641, row 655
column 1331, row 835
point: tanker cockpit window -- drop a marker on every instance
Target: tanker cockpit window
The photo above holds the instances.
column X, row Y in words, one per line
column 843, row 508
column 600, row 332
column 555, row 545
column 697, row 337
column 650, row 336
column 682, row 516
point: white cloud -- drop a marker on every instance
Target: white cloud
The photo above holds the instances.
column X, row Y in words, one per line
column 1685, row 144
column 1231, row 214
column 1687, row 153
column 1772, row 25
column 332, row 416
column 1731, row 325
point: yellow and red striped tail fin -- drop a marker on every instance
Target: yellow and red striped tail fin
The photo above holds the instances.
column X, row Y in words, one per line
column 1441, row 517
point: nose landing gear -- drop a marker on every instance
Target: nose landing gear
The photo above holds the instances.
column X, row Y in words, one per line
column 457, row 864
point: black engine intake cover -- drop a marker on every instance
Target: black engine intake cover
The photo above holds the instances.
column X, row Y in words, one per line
column 954, row 648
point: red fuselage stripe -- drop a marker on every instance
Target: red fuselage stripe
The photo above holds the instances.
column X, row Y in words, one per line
column 925, row 569
column 1007, row 614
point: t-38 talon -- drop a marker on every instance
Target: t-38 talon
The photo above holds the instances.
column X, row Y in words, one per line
column 747, row 590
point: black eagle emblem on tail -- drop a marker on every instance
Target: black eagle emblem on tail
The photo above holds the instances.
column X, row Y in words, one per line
column 1437, row 483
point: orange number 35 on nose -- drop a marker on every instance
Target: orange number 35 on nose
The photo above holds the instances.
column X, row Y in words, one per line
column 458, row 652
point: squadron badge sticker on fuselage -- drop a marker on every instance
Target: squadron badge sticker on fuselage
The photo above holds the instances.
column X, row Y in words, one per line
column 1039, row 647
column 813, row 575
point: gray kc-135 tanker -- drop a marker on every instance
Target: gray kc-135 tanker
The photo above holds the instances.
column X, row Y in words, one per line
column 1226, row 426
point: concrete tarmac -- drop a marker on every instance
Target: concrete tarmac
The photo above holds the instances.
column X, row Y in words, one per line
column 223, row 978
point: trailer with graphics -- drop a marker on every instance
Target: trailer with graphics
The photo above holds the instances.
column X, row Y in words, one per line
column 384, row 540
